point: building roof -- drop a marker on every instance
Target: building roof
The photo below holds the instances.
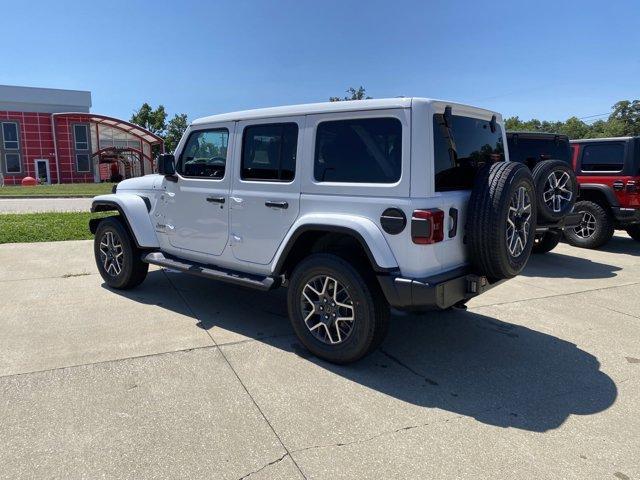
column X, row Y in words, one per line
column 122, row 125
column 43, row 100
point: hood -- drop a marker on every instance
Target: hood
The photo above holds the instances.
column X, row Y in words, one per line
column 141, row 183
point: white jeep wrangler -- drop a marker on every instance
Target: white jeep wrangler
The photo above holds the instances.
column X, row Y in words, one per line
column 356, row 206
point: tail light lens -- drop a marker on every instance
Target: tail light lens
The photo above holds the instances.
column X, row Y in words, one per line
column 427, row 226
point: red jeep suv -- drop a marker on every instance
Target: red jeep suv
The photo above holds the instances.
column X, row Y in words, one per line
column 608, row 170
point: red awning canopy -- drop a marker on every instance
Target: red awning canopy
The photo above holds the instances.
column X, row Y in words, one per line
column 135, row 130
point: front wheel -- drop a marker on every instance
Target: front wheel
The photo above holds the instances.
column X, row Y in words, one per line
column 117, row 257
column 595, row 229
column 337, row 313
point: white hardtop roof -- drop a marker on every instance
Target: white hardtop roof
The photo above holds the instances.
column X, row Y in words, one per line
column 331, row 107
column 608, row 139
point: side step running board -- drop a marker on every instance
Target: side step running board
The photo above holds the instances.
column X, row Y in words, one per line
column 216, row 273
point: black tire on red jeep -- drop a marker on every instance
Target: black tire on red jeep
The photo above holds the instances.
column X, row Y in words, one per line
column 595, row 229
column 501, row 220
column 545, row 242
column 634, row 231
column 557, row 189
column 337, row 312
column 117, row 256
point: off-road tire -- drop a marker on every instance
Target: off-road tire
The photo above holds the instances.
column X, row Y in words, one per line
column 133, row 270
column 634, row 232
column 542, row 174
column 603, row 230
column 486, row 229
column 545, row 242
column 371, row 311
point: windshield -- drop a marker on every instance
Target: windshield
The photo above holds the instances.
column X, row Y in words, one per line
column 461, row 148
column 532, row 150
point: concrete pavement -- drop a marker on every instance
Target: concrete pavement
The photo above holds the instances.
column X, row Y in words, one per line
column 33, row 205
column 187, row 378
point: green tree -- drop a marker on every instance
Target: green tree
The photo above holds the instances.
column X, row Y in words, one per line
column 175, row 129
column 353, row 94
column 152, row 120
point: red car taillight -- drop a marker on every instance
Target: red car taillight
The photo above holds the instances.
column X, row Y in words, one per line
column 427, row 226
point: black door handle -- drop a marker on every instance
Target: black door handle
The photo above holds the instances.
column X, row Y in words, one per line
column 215, row 199
column 270, row 203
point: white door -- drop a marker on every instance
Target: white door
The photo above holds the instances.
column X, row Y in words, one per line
column 265, row 197
column 196, row 200
column 42, row 170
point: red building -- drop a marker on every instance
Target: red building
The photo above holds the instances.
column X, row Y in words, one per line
column 50, row 135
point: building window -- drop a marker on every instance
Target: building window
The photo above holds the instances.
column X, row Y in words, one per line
column 81, row 137
column 367, row 150
column 269, row 152
column 12, row 162
column 83, row 165
column 10, row 136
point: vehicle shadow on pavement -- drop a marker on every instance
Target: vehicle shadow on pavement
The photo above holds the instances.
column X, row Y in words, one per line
column 622, row 245
column 498, row 373
column 559, row 265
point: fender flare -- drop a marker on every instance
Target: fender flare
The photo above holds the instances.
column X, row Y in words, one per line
column 363, row 229
column 606, row 190
column 134, row 210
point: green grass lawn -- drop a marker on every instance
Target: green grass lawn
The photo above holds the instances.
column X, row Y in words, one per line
column 46, row 227
column 62, row 190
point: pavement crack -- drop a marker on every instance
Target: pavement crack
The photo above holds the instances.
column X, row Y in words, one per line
column 402, row 364
column 277, row 460
column 235, row 373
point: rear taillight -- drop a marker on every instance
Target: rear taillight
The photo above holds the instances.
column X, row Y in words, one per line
column 427, row 226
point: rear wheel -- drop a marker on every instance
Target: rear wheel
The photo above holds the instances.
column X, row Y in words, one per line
column 337, row 313
column 595, row 229
column 501, row 219
column 545, row 242
column 117, row 257
column 634, row 232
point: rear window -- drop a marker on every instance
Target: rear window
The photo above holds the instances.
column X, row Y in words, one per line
column 461, row 148
column 359, row 151
column 603, row 157
column 530, row 151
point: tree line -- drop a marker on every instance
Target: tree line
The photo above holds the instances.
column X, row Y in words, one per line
column 624, row 120
column 155, row 120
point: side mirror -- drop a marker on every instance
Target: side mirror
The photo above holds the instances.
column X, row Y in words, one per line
column 166, row 164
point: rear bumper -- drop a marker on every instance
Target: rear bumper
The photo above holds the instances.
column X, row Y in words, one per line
column 626, row 216
column 439, row 291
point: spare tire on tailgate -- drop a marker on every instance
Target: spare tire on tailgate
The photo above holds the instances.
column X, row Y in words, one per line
column 501, row 220
column 557, row 189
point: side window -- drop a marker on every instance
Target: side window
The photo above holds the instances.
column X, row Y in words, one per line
column 365, row 150
column 81, row 137
column 603, row 157
column 205, row 154
column 10, row 148
column 10, row 136
column 461, row 148
column 269, row 152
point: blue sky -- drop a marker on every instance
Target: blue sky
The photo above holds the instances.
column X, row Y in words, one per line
column 541, row 59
